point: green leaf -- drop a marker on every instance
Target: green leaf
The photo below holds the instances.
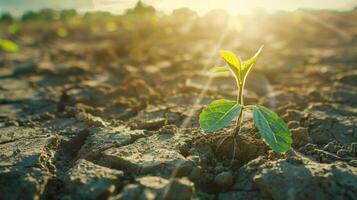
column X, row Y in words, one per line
column 220, row 69
column 218, row 114
column 8, row 45
column 247, row 65
column 233, row 62
column 272, row 129
column 230, row 58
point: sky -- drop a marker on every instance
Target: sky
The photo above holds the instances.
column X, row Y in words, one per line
column 16, row 7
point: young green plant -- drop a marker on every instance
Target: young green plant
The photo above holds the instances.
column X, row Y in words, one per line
column 220, row 113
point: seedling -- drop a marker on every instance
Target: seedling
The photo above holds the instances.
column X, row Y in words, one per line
column 220, row 113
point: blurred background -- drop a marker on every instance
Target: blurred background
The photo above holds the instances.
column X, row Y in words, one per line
column 231, row 24
column 169, row 46
column 234, row 7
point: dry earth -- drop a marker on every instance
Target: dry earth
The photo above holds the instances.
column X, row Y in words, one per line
column 114, row 115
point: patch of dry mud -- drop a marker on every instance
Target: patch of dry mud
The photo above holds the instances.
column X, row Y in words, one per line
column 99, row 116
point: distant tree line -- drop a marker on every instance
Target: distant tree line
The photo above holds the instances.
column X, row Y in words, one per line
column 42, row 15
column 48, row 14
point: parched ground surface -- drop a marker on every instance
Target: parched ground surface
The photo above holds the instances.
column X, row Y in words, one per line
column 114, row 114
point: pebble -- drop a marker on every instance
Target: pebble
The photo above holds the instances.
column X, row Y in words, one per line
column 310, row 147
column 224, row 179
column 342, row 152
column 354, row 148
column 168, row 129
column 300, row 134
column 330, row 147
column 353, row 163
column 196, row 174
column 293, row 115
column 293, row 124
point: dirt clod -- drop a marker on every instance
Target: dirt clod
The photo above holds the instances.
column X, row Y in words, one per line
column 224, row 179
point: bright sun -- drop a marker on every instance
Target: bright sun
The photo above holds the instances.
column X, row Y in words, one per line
column 247, row 6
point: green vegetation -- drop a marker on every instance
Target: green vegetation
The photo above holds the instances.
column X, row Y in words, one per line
column 6, row 17
column 8, row 45
column 220, row 113
column 62, row 32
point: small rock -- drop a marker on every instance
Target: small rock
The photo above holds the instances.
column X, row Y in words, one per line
column 12, row 123
column 90, row 119
column 219, row 168
column 153, row 187
column 196, row 174
column 354, row 148
column 235, row 195
column 97, row 121
column 349, row 78
column 292, row 157
column 168, row 129
column 353, row 163
column 24, row 67
column 194, row 158
column 81, row 116
column 293, row 115
column 179, row 189
column 331, row 147
column 310, row 147
column 86, row 180
column 342, row 152
column 293, row 124
column 224, row 179
column 153, row 124
column 300, row 135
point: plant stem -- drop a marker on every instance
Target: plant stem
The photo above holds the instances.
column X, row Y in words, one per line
column 240, row 101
